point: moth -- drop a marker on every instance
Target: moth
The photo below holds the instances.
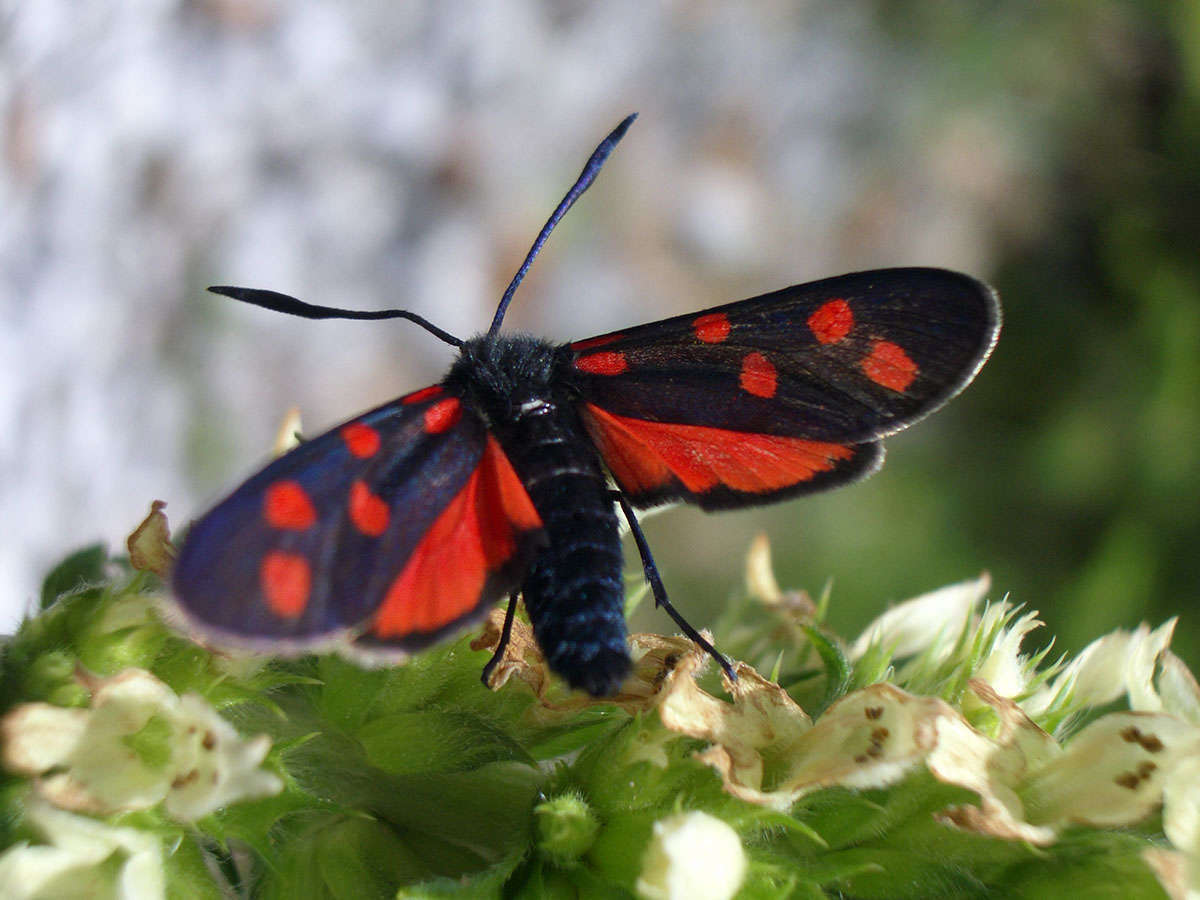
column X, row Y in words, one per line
column 409, row 521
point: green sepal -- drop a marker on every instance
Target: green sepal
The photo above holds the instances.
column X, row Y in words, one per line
column 83, row 568
column 334, row 856
column 187, row 873
column 838, row 672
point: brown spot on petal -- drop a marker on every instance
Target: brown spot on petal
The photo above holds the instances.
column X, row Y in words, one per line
column 1127, row 780
column 1148, row 742
column 873, row 712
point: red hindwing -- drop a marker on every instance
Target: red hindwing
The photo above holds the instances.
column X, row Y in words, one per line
column 477, row 537
column 715, row 467
column 400, row 523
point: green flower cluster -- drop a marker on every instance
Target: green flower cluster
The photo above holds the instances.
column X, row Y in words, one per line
column 927, row 758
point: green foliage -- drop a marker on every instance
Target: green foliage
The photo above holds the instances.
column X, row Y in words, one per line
column 415, row 781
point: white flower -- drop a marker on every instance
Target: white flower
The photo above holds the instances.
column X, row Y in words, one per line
column 1004, row 667
column 1122, row 662
column 1178, row 688
column 692, row 856
column 931, row 622
column 137, row 746
column 1181, row 821
column 1113, row 773
column 75, row 860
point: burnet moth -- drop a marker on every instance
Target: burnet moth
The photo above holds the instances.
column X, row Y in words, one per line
column 407, row 522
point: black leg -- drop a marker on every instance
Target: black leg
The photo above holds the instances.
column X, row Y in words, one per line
column 660, row 592
column 505, row 634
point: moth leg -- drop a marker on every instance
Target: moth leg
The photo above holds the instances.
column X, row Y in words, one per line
column 660, row 592
column 505, row 634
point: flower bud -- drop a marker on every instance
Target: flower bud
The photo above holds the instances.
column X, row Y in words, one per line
column 566, row 828
column 692, row 855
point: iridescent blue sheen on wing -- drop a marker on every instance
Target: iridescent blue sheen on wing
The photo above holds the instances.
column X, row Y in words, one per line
column 412, row 471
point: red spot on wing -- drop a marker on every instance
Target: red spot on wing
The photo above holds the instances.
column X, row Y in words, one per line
column 596, row 341
column 369, row 514
column 286, row 581
column 603, row 363
column 443, row 415
column 361, row 440
column 889, row 366
column 712, row 328
column 645, row 456
column 476, row 534
column 422, row 395
column 759, row 376
column 832, row 321
column 287, row 505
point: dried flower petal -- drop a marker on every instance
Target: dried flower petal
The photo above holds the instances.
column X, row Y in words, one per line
column 655, row 657
column 867, row 739
column 760, row 576
column 1112, row 773
column 150, row 548
column 288, row 435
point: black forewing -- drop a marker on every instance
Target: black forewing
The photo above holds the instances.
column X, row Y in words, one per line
column 414, row 471
column 944, row 322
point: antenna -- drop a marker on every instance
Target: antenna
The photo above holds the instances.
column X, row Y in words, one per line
column 590, row 170
column 293, row 307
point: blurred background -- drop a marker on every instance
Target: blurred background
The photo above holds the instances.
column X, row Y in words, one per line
column 374, row 154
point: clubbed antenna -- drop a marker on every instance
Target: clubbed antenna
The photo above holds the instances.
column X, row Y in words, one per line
column 586, row 177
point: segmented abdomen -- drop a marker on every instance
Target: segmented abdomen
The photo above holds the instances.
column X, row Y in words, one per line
column 573, row 592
